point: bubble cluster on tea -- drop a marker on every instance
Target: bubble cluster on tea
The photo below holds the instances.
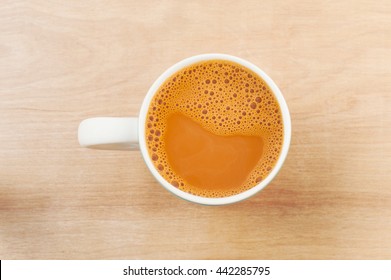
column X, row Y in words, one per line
column 214, row 129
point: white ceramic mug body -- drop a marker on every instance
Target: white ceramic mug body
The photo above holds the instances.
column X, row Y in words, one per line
column 139, row 136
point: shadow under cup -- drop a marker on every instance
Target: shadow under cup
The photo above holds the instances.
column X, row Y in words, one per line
column 150, row 102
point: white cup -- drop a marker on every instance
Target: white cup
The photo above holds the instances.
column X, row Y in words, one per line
column 128, row 133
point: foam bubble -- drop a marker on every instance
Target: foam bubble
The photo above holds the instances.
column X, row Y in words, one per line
column 154, row 157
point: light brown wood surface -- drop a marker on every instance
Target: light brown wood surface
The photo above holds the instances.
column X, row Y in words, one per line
column 64, row 61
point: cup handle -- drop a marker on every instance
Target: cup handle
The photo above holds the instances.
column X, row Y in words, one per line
column 108, row 133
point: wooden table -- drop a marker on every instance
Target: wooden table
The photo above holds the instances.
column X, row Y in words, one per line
column 64, row 61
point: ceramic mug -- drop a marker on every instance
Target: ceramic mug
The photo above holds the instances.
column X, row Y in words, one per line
column 128, row 133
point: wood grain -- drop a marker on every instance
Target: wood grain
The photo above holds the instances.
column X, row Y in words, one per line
column 64, row 61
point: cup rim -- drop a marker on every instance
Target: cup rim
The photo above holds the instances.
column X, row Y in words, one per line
column 207, row 200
